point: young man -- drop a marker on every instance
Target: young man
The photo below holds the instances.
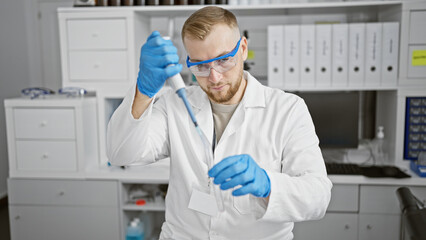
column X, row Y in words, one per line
column 266, row 156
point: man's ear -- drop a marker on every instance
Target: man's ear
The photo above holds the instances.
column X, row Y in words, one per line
column 244, row 47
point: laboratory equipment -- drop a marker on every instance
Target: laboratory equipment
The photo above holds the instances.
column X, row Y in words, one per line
column 35, row 92
column 178, row 85
column 415, row 127
column 72, row 91
column 219, row 64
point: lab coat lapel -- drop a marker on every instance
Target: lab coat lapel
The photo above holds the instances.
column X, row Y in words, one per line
column 253, row 97
column 203, row 112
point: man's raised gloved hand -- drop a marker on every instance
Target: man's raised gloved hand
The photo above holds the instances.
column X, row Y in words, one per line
column 156, row 56
column 241, row 170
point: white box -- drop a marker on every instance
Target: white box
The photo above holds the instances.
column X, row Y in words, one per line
column 57, row 136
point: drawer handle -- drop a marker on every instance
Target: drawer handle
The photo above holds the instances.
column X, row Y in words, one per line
column 45, row 156
column 61, row 193
column 96, row 65
column 17, row 217
column 43, row 124
column 369, row 227
column 347, row 226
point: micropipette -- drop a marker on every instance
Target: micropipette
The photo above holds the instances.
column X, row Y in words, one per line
column 177, row 83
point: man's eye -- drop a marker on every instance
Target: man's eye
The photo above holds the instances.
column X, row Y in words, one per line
column 224, row 60
column 202, row 67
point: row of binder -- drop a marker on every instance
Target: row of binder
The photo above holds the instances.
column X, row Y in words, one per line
column 333, row 55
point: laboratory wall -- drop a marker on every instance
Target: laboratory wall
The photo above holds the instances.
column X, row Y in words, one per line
column 14, row 68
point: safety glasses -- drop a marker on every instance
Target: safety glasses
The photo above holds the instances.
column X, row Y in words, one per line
column 220, row 64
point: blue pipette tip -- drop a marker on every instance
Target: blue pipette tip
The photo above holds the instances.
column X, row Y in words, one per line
column 182, row 94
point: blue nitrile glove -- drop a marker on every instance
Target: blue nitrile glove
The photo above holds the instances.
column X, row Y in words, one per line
column 241, row 170
column 156, row 56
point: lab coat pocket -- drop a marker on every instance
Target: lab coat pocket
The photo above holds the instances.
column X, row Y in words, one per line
column 242, row 204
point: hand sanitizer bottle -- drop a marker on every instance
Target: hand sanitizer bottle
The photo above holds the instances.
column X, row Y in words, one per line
column 134, row 231
column 379, row 152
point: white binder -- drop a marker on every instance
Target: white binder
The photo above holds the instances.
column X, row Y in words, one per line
column 323, row 55
column 339, row 59
column 307, row 55
column 291, row 56
column 390, row 48
column 276, row 56
column 373, row 54
column 356, row 54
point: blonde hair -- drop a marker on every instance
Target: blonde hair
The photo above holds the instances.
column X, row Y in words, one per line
column 200, row 23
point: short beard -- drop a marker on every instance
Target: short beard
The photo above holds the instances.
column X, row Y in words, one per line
column 230, row 93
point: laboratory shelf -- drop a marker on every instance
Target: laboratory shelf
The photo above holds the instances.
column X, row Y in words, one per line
column 156, row 207
column 247, row 10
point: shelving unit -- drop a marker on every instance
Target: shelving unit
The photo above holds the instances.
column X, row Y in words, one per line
column 151, row 214
column 139, row 21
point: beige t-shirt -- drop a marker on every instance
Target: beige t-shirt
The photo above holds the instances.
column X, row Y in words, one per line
column 221, row 116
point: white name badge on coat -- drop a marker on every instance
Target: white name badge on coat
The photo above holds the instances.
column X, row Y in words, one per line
column 203, row 203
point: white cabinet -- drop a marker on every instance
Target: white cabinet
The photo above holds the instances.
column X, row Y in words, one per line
column 341, row 219
column 102, row 34
column 358, row 211
column 379, row 226
column 63, row 209
column 414, row 37
column 99, row 51
column 332, row 226
column 51, row 137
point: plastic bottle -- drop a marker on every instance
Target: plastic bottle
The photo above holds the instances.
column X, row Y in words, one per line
column 134, row 232
column 379, row 152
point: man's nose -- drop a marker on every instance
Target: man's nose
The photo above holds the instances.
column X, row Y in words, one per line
column 214, row 76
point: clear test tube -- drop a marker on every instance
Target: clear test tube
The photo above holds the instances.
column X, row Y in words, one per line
column 210, row 162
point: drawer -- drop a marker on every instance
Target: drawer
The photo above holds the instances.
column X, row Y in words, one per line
column 339, row 226
column 92, row 65
column 46, row 155
column 344, row 198
column 63, row 192
column 97, row 34
column 43, row 123
column 64, row 223
column 417, row 27
column 383, row 199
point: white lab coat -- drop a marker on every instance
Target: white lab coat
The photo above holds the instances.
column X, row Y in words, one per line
column 273, row 126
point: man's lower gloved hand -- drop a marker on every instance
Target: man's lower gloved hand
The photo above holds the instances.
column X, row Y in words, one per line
column 241, row 170
column 158, row 62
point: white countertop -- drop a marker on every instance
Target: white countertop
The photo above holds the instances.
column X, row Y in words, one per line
column 159, row 173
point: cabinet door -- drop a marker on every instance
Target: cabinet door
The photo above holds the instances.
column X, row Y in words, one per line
column 332, row 226
column 64, row 222
column 379, row 226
